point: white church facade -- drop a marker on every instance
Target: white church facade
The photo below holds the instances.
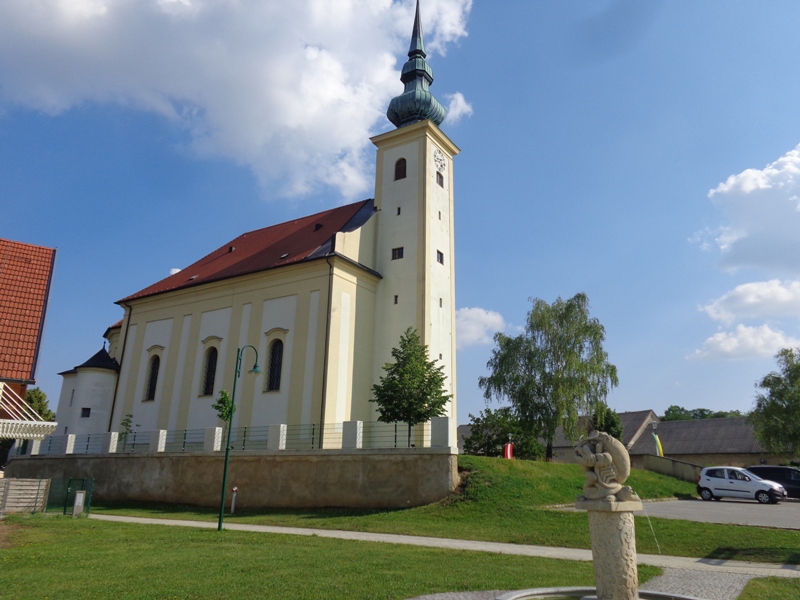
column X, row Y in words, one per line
column 323, row 299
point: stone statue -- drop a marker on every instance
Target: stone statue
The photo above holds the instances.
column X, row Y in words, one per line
column 607, row 465
column 610, row 506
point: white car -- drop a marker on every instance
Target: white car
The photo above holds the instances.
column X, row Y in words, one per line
column 733, row 482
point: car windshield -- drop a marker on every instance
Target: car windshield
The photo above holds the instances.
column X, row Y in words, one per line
column 751, row 474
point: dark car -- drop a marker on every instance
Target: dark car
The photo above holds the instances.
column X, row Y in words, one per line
column 788, row 477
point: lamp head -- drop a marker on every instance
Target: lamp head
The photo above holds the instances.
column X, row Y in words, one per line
column 256, row 370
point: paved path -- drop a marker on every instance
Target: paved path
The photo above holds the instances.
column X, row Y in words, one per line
column 706, row 578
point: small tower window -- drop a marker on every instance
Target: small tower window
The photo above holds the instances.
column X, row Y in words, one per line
column 85, row 412
column 439, row 179
column 440, row 215
column 440, row 303
column 275, row 366
column 398, row 211
column 397, row 253
column 210, row 373
column 396, row 299
column 439, row 257
column 152, row 378
column 400, row 169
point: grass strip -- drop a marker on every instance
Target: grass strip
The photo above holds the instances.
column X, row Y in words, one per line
column 505, row 501
column 63, row 557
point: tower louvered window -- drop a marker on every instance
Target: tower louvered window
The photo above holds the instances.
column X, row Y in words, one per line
column 400, row 169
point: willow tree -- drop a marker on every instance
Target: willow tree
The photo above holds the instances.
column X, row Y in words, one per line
column 553, row 372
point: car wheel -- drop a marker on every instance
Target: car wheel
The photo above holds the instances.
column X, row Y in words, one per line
column 706, row 494
column 763, row 497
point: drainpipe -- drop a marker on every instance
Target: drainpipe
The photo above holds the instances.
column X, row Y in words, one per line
column 121, row 358
column 327, row 345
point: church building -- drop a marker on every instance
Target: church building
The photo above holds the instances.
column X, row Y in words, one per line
column 323, row 299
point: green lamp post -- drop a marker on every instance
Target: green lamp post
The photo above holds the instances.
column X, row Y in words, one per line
column 255, row 371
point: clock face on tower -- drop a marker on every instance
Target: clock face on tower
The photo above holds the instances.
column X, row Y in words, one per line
column 439, row 160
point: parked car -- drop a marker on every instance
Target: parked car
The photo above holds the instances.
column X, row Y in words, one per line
column 788, row 477
column 733, row 482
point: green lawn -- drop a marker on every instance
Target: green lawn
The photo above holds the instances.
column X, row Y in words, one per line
column 771, row 587
column 505, row 501
column 46, row 556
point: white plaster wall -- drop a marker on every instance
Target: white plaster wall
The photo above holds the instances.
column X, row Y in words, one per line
column 145, row 413
column 179, row 372
column 343, row 382
column 65, row 411
column 400, row 277
column 273, row 407
column 124, row 375
column 94, row 390
column 215, row 323
column 311, row 352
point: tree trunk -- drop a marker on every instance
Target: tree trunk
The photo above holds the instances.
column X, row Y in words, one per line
column 548, row 455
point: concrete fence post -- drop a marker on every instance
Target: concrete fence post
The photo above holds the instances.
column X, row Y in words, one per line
column 352, row 434
column 440, row 432
column 276, row 437
column 69, row 447
column 158, row 440
column 213, row 439
column 111, row 442
column 35, row 447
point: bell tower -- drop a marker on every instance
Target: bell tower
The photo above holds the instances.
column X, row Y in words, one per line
column 415, row 248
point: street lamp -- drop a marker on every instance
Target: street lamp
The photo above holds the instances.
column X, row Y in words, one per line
column 255, row 371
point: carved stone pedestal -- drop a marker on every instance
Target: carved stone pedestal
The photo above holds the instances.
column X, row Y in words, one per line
column 613, row 547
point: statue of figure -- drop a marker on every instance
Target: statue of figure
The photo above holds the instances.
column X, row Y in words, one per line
column 607, row 465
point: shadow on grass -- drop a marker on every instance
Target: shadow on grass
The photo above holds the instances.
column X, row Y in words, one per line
column 157, row 508
column 771, row 555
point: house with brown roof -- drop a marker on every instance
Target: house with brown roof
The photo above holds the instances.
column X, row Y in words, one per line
column 25, row 275
column 318, row 302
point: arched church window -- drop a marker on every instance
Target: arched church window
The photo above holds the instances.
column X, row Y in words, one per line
column 210, row 372
column 400, row 169
column 152, row 378
column 275, row 366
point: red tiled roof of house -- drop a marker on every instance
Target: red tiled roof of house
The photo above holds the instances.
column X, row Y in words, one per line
column 25, row 275
column 268, row 248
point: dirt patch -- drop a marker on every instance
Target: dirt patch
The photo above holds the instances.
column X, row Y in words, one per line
column 6, row 530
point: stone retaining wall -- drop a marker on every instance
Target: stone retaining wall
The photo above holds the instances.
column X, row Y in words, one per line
column 290, row 479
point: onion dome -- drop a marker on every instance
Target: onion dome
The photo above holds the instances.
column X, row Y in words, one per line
column 416, row 103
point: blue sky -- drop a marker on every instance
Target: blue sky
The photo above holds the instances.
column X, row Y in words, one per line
column 641, row 152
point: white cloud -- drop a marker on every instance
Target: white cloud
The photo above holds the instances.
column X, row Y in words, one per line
column 458, row 108
column 291, row 89
column 745, row 342
column 173, row 270
column 477, row 326
column 759, row 299
column 762, row 207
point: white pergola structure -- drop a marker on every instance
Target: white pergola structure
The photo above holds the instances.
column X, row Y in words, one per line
column 23, row 423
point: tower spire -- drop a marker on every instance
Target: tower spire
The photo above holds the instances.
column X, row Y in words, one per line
column 416, row 103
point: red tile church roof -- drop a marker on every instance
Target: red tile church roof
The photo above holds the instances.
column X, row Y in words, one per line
column 25, row 275
column 276, row 246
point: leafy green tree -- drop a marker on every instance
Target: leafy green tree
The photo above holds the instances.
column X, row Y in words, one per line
column 490, row 431
column 606, row 419
column 412, row 390
column 224, row 407
column 37, row 400
column 776, row 415
column 678, row 413
column 554, row 371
